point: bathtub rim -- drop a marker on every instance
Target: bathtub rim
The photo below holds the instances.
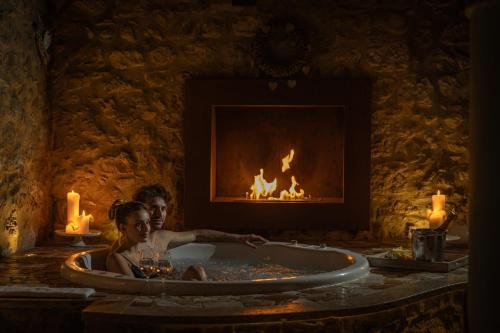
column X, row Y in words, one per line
column 119, row 282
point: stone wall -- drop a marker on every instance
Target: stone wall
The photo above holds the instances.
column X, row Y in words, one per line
column 24, row 125
column 119, row 69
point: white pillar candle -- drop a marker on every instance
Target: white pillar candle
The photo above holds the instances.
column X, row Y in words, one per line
column 73, row 206
column 438, row 214
column 438, row 201
column 83, row 223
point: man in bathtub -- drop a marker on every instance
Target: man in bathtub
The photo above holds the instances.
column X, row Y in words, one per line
column 140, row 225
column 156, row 198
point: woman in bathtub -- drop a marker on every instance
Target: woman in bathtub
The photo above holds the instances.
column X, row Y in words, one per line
column 132, row 221
column 136, row 240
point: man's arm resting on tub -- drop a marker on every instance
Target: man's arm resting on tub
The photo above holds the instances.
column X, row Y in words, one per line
column 207, row 235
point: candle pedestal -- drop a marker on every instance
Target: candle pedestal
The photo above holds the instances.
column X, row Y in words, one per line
column 78, row 238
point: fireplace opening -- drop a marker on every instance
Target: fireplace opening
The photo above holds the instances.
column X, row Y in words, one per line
column 269, row 153
column 277, row 158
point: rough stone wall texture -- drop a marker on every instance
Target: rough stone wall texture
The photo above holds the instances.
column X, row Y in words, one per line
column 24, row 125
column 119, row 69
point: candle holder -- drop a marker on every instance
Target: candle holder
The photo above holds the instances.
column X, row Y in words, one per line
column 78, row 238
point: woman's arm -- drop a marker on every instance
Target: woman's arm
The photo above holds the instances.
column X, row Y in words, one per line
column 117, row 264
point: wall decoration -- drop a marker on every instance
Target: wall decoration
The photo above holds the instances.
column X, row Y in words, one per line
column 281, row 48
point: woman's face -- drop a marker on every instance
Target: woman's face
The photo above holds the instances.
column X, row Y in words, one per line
column 137, row 228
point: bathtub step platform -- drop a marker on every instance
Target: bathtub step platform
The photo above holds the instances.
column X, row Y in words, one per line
column 451, row 261
column 22, row 291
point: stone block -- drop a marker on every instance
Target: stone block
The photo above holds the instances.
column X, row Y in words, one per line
column 126, row 59
column 161, row 56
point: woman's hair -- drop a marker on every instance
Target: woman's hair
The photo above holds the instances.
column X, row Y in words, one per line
column 147, row 192
column 120, row 209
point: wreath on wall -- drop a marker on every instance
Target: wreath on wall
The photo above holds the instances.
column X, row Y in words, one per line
column 281, row 48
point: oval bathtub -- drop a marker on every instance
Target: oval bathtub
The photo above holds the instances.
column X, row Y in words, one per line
column 335, row 266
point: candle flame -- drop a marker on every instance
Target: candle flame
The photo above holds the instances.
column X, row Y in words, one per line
column 438, row 193
column 83, row 212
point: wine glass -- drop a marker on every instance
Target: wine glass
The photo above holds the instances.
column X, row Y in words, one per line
column 149, row 267
column 165, row 268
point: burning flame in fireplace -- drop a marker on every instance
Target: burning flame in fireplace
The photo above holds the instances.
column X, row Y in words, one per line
column 263, row 189
column 287, row 160
column 291, row 193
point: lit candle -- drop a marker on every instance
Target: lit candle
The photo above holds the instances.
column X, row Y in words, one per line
column 438, row 201
column 438, row 214
column 83, row 223
column 73, row 209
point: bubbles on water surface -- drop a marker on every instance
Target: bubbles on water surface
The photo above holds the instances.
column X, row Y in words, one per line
column 237, row 270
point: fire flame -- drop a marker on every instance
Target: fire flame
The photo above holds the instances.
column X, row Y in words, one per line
column 286, row 161
column 291, row 193
column 262, row 188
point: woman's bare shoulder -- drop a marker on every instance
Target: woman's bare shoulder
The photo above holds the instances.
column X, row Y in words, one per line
column 113, row 247
column 113, row 261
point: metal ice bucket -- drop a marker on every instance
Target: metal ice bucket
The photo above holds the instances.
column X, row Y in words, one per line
column 428, row 244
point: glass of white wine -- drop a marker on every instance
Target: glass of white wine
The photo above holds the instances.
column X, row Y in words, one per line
column 149, row 267
column 164, row 269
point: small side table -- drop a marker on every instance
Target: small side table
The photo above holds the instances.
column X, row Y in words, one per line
column 78, row 238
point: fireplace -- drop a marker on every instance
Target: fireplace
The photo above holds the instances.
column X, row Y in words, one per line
column 262, row 155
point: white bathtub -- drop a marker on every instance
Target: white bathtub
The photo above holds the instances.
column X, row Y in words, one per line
column 87, row 268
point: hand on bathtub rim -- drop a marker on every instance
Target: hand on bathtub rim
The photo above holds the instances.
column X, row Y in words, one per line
column 251, row 239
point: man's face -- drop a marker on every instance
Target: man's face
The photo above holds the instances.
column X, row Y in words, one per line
column 157, row 208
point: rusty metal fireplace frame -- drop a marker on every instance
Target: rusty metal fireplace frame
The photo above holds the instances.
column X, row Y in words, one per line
column 201, row 207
